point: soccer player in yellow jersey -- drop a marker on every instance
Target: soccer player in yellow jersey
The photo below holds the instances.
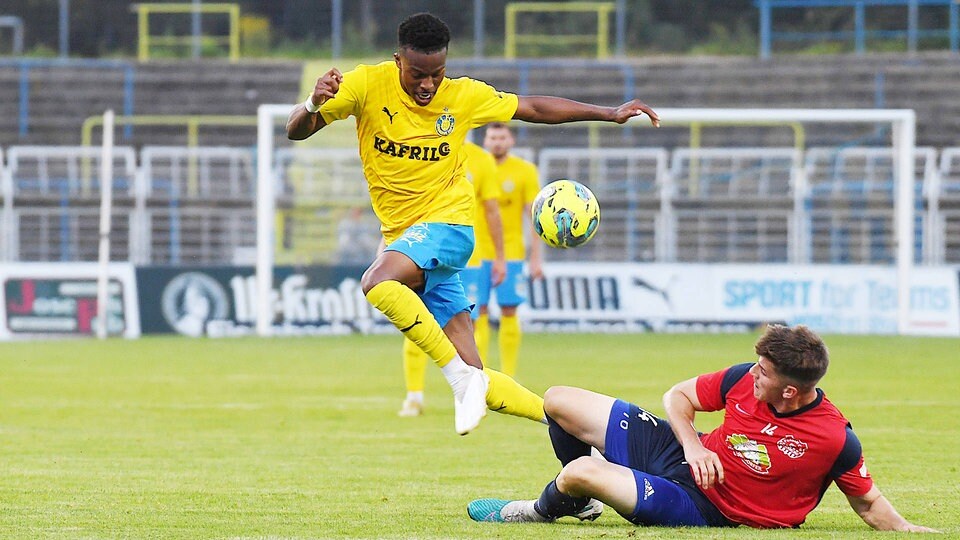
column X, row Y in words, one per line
column 411, row 125
column 482, row 173
column 519, row 183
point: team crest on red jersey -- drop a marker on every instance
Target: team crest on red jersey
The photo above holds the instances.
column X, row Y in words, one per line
column 792, row 447
column 753, row 454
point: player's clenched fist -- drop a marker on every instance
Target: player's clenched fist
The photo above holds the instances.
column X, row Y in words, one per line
column 327, row 86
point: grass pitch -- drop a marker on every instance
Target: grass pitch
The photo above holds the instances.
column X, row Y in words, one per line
column 299, row 438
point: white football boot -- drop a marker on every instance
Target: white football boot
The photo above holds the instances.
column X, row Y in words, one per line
column 470, row 408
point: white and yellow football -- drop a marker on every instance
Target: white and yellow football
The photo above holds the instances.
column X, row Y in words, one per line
column 565, row 214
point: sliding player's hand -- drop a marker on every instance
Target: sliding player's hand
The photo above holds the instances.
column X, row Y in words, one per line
column 635, row 107
column 704, row 465
column 327, row 86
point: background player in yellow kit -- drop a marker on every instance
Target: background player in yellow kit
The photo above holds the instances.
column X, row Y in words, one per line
column 411, row 124
column 482, row 173
column 519, row 184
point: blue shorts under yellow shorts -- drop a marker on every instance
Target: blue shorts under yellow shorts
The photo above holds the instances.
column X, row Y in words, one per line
column 441, row 250
column 477, row 283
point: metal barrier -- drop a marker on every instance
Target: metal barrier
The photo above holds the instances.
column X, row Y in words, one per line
column 602, row 37
column 859, row 33
column 849, row 202
column 146, row 39
column 15, row 24
column 742, row 205
column 52, row 213
column 318, row 194
column 192, row 122
column 195, row 203
column 943, row 207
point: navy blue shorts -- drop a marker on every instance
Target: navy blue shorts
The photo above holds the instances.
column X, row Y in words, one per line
column 666, row 492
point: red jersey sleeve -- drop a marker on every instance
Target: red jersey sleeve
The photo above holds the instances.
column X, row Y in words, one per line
column 850, row 471
column 712, row 388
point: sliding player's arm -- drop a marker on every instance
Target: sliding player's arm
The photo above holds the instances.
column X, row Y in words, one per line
column 876, row 511
column 682, row 403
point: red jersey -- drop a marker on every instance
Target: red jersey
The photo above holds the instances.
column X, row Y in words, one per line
column 776, row 466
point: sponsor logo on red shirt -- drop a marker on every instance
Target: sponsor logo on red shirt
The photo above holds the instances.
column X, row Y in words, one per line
column 753, row 454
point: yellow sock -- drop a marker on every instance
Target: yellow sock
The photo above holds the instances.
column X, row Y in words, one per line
column 481, row 333
column 414, row 366
column 509, row 344
column 406, row 311
column 507, row 396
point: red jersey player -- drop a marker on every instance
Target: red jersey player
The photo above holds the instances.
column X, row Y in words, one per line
column 781, row 444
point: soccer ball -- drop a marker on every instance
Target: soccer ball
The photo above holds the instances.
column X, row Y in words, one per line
column 565, row 214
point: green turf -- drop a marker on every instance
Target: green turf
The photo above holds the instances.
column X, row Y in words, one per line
column 298, row 438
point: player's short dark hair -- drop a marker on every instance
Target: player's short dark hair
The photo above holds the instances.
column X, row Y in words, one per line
column 798, row 353
column 423, row 33
column 498, row 125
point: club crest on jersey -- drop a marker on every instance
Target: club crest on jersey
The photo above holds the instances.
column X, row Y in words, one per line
column 792, row 447
column 445, row 124
column 751, row 453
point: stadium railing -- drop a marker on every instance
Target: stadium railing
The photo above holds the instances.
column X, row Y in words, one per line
column 197, row 204
column 15, row 24
column 146, row 39
column 317, row 191
column 859, row 34
column 944, row 207
column 849, row 194
column 55, row 209
column 513, row 37
column 192, row 123
column 735, row 204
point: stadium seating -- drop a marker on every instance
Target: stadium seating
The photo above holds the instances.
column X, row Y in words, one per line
column 928, row 82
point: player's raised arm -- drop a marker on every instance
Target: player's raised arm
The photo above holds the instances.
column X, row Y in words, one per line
column 876, row 511
column 305, row 119
column 557, row 110
column 681, row 404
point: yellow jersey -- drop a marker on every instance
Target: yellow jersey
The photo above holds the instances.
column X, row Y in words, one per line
column 412, row 155
column 482, row 173
column 519, row 185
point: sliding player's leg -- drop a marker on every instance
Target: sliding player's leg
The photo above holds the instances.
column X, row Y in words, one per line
column 643, row 476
